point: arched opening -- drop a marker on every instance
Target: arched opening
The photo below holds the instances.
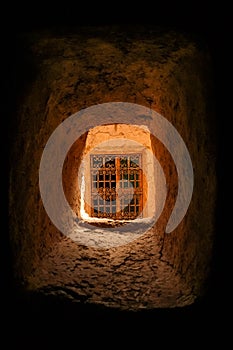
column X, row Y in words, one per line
column 109, row 175
column 116, row 167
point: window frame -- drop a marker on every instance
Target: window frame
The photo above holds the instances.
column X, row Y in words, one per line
column 118, row 195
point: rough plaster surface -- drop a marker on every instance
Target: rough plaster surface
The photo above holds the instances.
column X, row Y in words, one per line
column 160, row 70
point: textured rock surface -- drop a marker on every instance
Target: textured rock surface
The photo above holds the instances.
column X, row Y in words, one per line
column 164, row 71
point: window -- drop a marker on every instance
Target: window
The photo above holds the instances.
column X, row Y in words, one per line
column 116, row 186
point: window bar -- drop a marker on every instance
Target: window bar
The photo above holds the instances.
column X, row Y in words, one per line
column 118, row 204
column 104, row 193
column 105, row 178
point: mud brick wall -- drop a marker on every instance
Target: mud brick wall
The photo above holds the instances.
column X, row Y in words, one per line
column 161, row 70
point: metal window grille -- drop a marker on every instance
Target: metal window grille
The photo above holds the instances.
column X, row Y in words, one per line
column 116, row 186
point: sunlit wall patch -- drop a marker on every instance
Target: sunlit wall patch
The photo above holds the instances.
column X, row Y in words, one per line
column 50, row 173
column 117, row 176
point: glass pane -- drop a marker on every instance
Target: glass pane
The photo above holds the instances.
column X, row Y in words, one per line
column 104, row 177
column 124, row 162
column 110, row 162
column 131, row 177
column 97, row 161
column 134, row 161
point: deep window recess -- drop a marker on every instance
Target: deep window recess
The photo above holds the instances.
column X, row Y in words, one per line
column 116, row 186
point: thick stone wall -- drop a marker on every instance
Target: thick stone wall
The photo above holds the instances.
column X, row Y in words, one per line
column 164, row 71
